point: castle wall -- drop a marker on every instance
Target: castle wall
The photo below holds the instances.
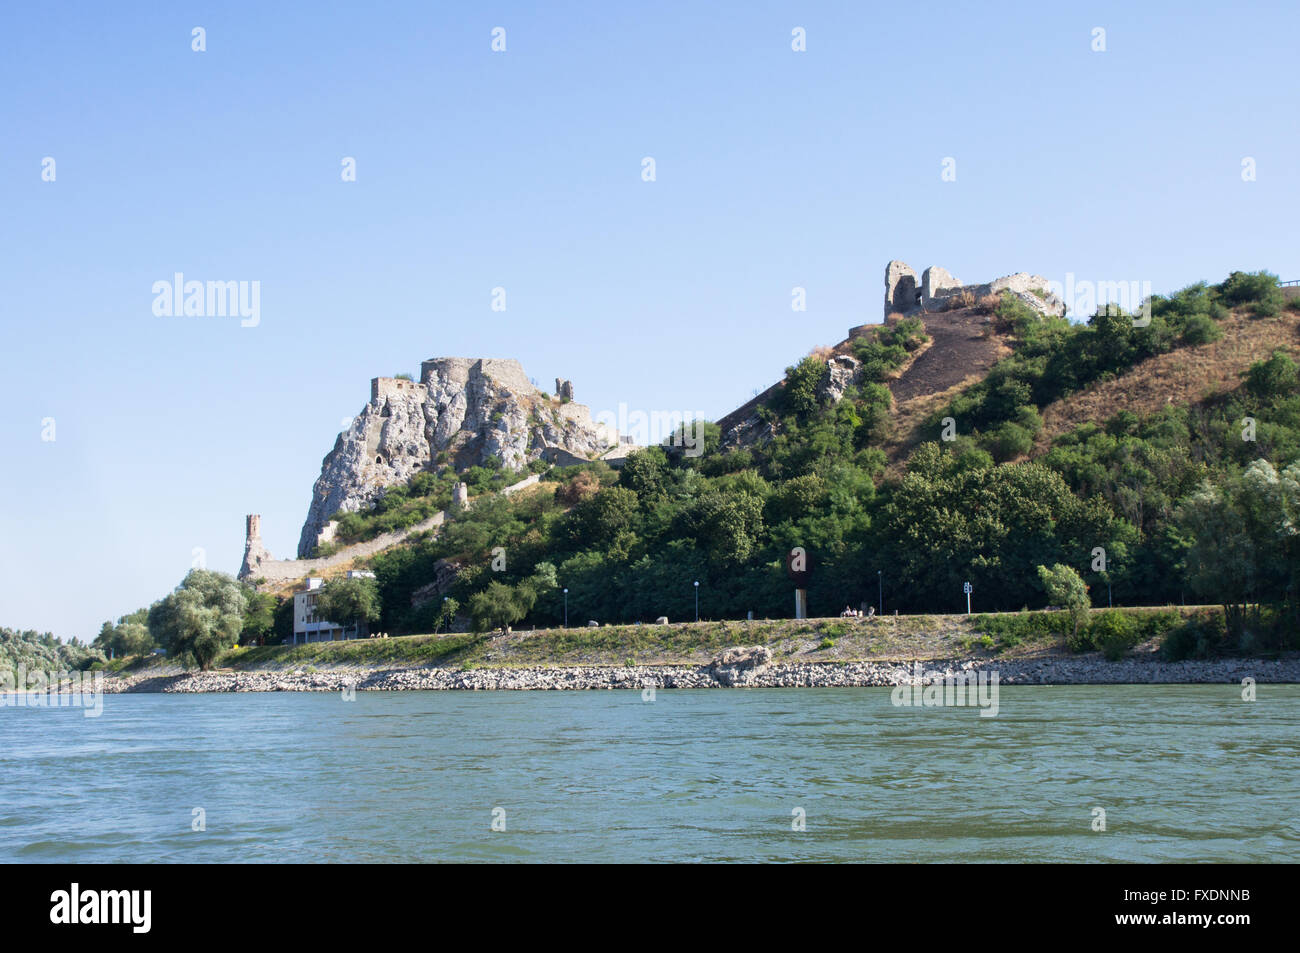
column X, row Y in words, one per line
column 393, row 387
column 277, row 572
column 507, row 372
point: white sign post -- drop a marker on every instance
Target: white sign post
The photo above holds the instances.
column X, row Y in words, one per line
column 967, row 588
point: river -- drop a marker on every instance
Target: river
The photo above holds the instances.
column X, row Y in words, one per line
column 1183, row 773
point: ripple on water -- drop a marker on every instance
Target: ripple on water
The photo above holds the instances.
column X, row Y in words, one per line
column 1185, row 773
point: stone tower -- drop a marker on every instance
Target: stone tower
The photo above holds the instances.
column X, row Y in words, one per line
column 901, row 291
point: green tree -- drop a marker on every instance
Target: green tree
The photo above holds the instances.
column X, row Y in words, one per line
column 447, row 614
column 129, row 636
column 801, row 383
column 645, row 472
column 349, row 602
column 1066, row 588
column 201, row 618
column 498, row 606
column 132, row 638
column 259, row 617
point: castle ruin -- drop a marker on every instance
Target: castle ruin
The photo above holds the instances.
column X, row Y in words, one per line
column 936, row 290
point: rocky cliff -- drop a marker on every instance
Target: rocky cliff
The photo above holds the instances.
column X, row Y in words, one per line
column 460, row 413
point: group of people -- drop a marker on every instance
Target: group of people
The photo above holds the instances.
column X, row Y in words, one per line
column 857, row 613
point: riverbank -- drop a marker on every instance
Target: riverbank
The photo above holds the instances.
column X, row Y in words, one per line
column 737, row 668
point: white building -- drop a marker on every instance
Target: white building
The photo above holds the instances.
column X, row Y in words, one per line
column 309, row 627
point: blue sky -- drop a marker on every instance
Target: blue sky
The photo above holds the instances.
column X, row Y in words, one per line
column 522, row 170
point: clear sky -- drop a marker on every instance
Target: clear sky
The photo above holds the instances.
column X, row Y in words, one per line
column 522, row 170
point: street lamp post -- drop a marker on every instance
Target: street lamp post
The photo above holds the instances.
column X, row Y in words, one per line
column 697, row 600
column 566, row 607
column 880, row 586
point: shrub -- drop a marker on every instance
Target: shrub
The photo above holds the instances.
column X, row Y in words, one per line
column 1113, row 633
column 1008, row 441
column 801, row 383
column 1249, row 287
column 1272, row 378
column 1195, row 638
column 1011, row 630
column 584, row 485
column 1201, row 329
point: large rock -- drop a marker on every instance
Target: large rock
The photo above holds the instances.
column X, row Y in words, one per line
column 740, row 665
column 840, row 372
column 462, row 411
column 1031, row 289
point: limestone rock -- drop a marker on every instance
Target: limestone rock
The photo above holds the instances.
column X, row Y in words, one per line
column 463, row 411
column 840, row 372
column 1024, row 286
column 740, row 665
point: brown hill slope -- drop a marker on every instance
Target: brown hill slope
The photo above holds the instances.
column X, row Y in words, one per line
column 1185, row 376
column 964, row 344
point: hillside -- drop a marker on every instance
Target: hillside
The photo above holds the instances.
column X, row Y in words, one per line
column 1189, row 376
column 969, row 438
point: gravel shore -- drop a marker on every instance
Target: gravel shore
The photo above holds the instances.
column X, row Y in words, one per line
column 737, row 668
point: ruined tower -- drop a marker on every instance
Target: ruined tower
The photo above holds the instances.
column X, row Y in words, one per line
column 254, row 551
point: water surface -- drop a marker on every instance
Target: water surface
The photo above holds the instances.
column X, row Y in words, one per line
column 1184, row 773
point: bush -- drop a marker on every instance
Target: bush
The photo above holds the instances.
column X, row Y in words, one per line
column 1011, row 630
column 1201, row 329
column 1195, row 638
column 1113, row 633
column 1254, row 287
column 1008, row 441
column 1272, row 378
